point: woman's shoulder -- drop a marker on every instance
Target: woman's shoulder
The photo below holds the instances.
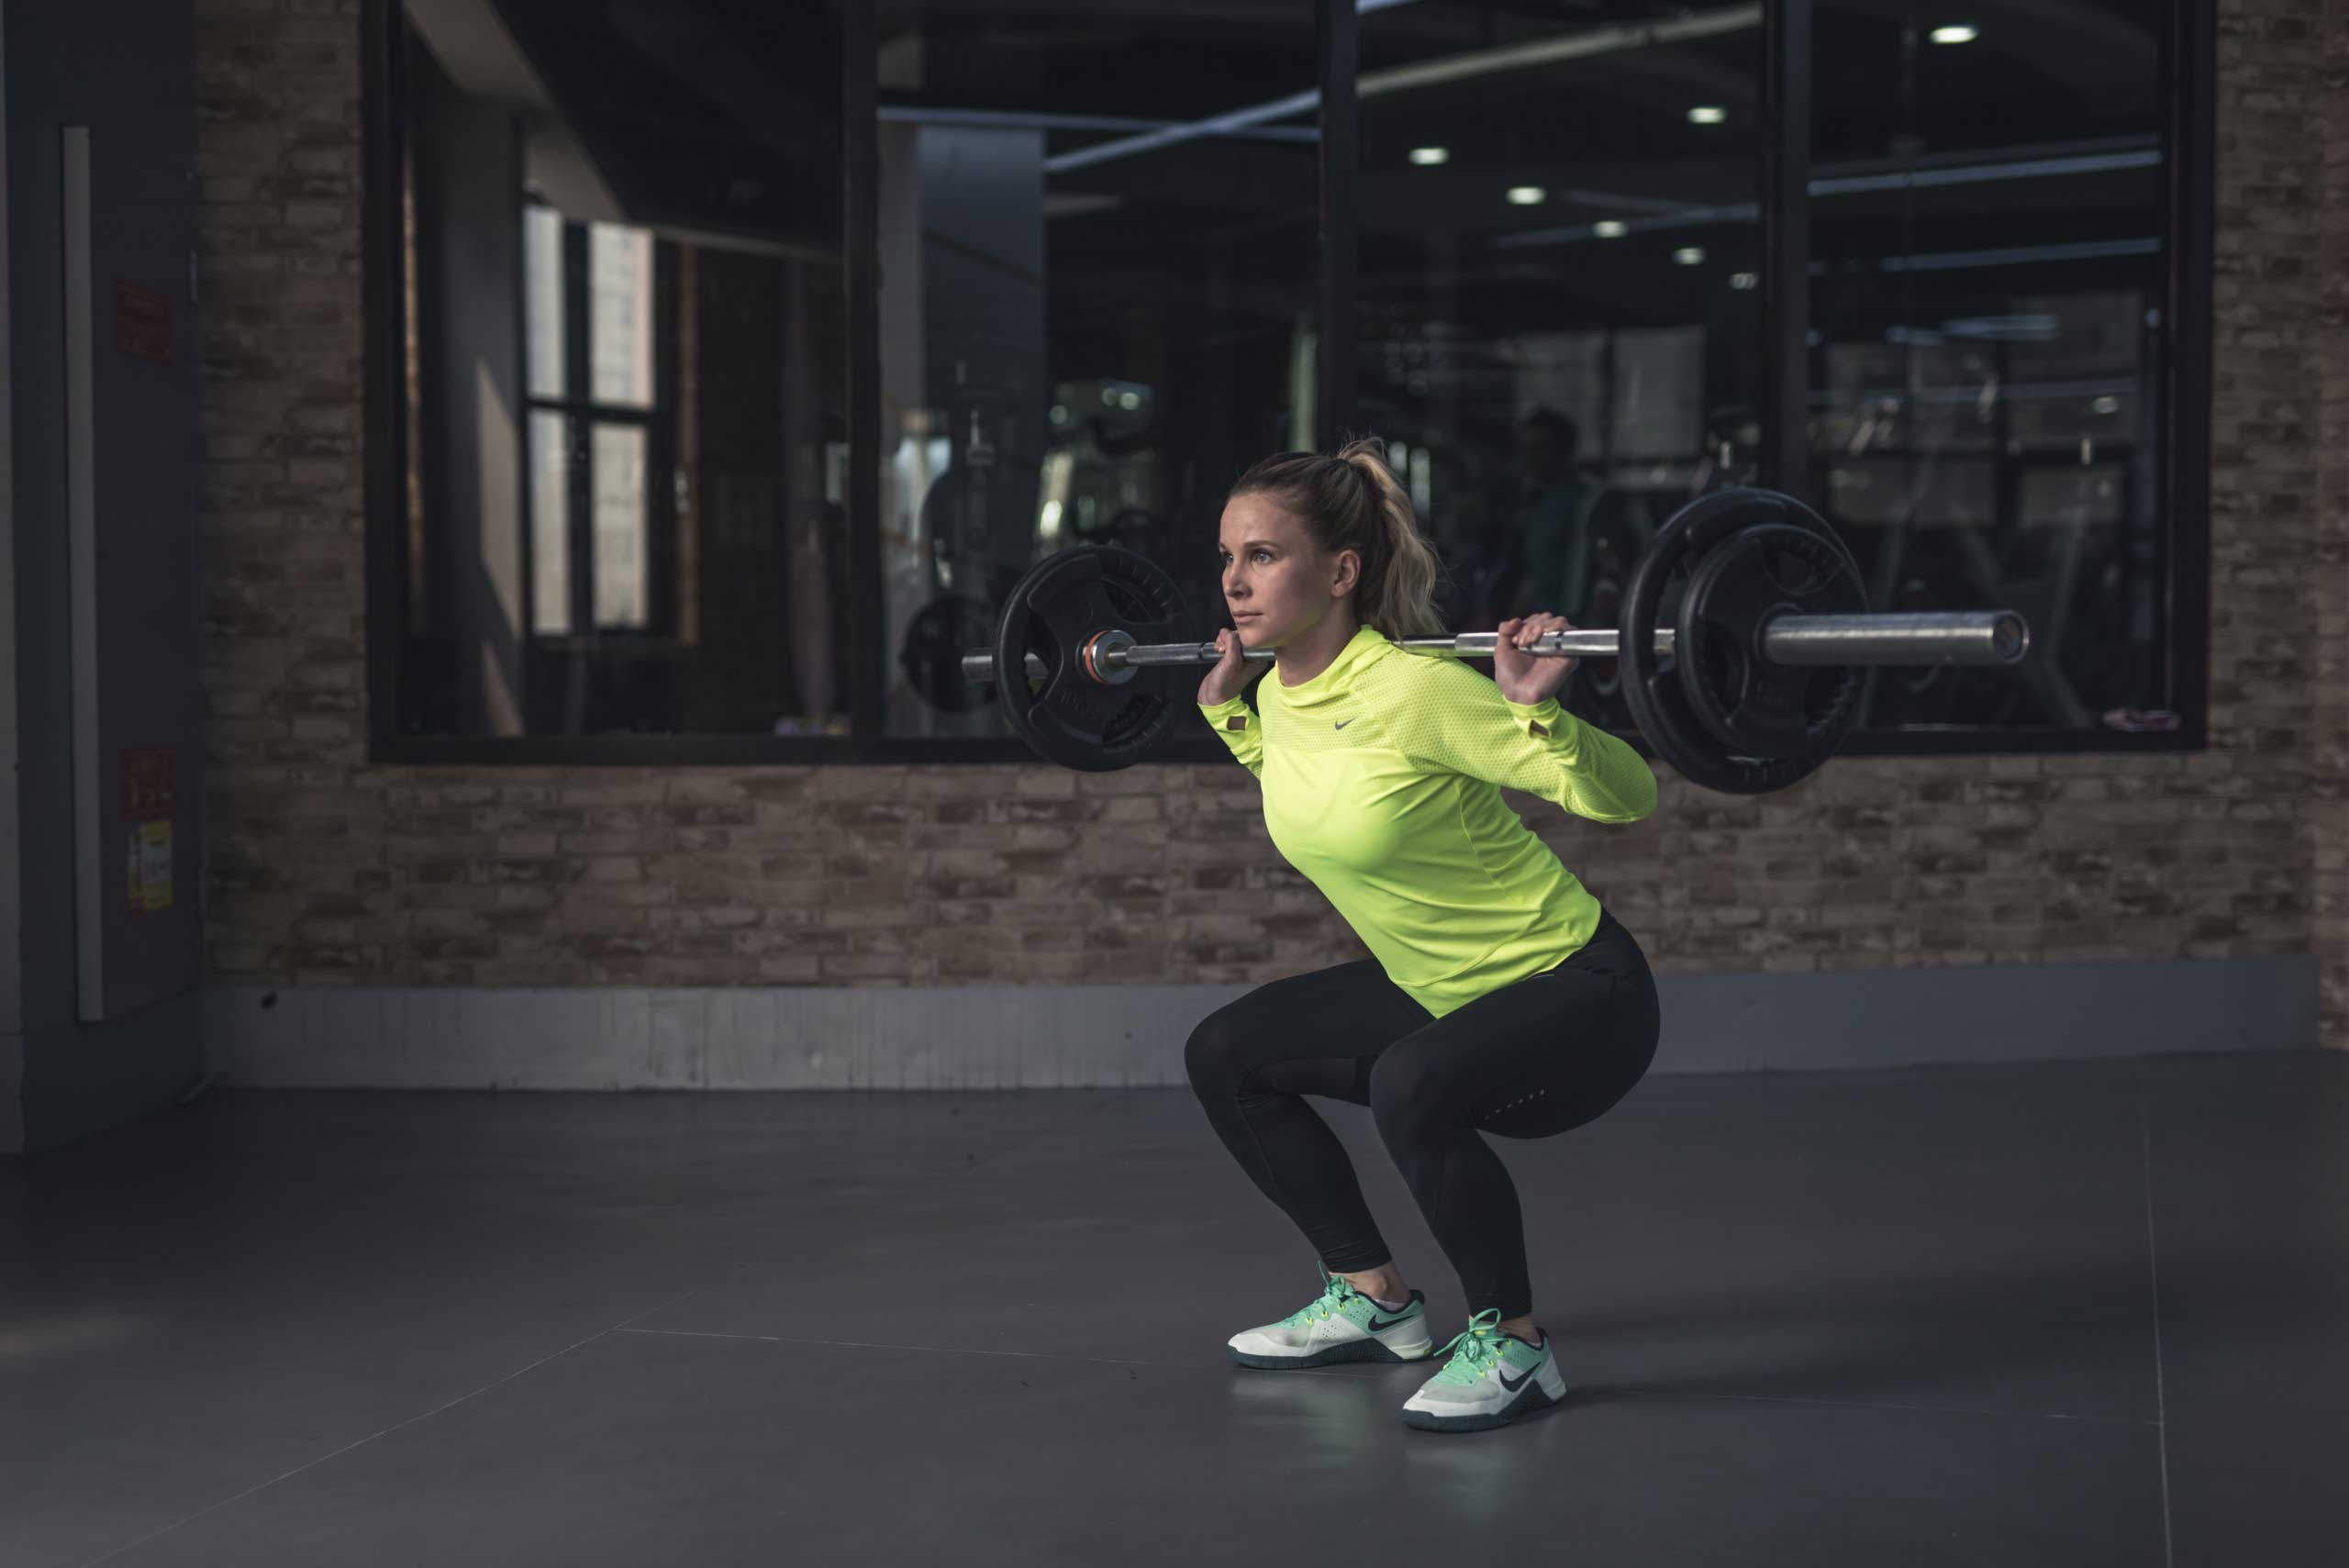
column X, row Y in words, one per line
column 1416, row 692
column 1433, row 673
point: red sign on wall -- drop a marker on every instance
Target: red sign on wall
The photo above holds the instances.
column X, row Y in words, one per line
column 149, row 793
column 143, row 322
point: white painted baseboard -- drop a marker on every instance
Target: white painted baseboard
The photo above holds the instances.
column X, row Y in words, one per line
column 1006, row 1037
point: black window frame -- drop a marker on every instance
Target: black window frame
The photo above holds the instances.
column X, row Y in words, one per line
column 2188, row 65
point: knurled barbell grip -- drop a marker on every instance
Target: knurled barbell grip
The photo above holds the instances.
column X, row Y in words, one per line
column 1941, row 636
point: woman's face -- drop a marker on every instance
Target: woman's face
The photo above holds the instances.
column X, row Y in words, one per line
column 1277, row 582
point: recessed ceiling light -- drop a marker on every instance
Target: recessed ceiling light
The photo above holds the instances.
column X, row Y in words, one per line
column 1746, row 280
column 1428, row 157
column 1707, row 114
column 1689, row 255
column 1527, row 195
column 2107, row 406
column 1609, row 228
column 1961, row 32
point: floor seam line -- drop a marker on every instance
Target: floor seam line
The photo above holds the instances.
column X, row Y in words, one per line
column 1331, row 1372
column 361, row 1442
column 946, row 1350
column 1878, row 1405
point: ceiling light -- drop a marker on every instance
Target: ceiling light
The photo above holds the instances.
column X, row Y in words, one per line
column 1428, row 157
column 1961, row 32
column 1417, row 75
column 1527, row 195
column 1707, row 114
column 1689, row 255
column 1609, row 228
column 1746, row 280
column 2107, row 406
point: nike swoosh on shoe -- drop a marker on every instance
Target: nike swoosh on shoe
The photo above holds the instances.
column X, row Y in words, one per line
column 1377, row 1323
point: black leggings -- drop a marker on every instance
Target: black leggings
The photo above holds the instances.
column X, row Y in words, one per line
column 1549, row 1052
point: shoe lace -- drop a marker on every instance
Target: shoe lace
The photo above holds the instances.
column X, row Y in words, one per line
column 1335, row 1293
column 1475, row 1349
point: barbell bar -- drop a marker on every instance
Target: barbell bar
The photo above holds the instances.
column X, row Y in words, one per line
column 1744, row 635
column 1943, row 637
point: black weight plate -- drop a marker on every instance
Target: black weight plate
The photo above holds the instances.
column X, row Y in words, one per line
column 1595, row 691
column 1652, row 686
column 1050, row 613
column 931, row 655
column 1751, row 705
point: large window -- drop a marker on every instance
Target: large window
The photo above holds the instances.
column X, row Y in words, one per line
column 731, row 360
column 1098, row 303
column 622, row 364
column 1988, row 342
column 1560, row 325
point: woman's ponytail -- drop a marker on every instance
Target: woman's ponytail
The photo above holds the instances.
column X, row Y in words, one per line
column 1401, row 601
column 1353, row 501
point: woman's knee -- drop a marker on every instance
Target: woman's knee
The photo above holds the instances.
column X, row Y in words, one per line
column 1212, row 1055
column 1406, row 1097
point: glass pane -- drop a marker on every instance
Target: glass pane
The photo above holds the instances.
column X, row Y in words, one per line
column 542, row 297
column 1987, row 218
column 631, row 368
column 620, row 323
column 550, row 524
column 623, row 596
column 1560, row 261
column 1099, row 259
column 421, row 589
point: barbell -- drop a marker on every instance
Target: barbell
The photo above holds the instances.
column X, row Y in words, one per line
column 1751, row 686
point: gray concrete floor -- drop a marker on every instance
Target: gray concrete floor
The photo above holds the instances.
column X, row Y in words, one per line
column 2064, row 1313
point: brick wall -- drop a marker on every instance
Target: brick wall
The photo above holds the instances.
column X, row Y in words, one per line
column 2321, row 76
column 325, row 869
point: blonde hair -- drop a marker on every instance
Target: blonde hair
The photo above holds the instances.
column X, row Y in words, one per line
column 1351, row 500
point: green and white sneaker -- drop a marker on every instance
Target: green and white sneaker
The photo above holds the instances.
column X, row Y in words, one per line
column 1490, row 1381
column 1340, row 1325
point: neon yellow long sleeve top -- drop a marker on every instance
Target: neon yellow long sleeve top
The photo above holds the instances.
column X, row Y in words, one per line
column 1382, row 781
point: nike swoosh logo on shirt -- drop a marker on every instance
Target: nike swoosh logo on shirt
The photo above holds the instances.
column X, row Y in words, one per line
column 1343, row 722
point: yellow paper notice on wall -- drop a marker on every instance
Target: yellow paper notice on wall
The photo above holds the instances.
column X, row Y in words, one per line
column 150, row 867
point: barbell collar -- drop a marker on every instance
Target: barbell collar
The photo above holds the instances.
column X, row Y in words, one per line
column 1938, row 637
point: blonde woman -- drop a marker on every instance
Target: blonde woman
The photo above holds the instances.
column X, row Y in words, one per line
column 1500, row 999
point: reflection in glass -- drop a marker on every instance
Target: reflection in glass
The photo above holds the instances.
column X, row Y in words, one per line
column 1099, row 265
column 620, row 273
column 1987, row 343
column 618, row 463
column 543, row 299
column 1558, row 320
column 627, row 337
column 550, row 524
column 1097, row 309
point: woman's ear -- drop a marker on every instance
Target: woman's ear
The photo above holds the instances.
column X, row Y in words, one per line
column 1346, row 574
